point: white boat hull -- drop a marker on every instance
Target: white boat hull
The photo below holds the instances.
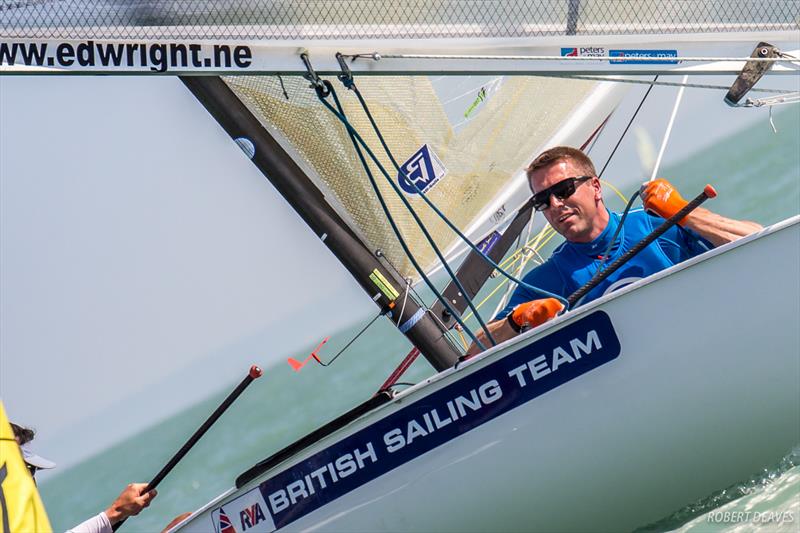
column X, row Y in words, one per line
column 702, row 391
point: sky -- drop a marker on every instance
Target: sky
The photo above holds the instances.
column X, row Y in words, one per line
column 145, row 263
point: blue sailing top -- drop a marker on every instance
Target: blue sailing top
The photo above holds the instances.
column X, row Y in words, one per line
column 573, row 264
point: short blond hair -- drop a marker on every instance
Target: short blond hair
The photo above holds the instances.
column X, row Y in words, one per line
column 558, row 153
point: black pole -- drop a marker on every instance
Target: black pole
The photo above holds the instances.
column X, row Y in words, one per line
column 254, row 373
column 708, row 192
column 309, row 202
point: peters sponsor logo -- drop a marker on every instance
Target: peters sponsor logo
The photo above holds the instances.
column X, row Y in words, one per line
column 247, row 513
column 644, row 57
column 583, row 51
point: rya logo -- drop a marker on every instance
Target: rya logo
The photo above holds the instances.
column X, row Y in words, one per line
column 225, row 525
column 251, row 516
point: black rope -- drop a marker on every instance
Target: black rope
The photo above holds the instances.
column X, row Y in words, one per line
column 600, row 276
column 350, row 84
column 630, row 122
column 283, row 87
column 404, row 383
column 417, row 297
column 346, row 346
column 353, row 137
column 617, row 231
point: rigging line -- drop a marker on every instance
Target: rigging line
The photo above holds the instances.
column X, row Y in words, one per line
column 416, row 219
column 669, row 129
column 607, row 251
column 417, row 297
column 519, row 257
column 345, row 78
column 536, row 290
column 788, row 98
column 346, row 346
column 449, row 333
column 520, row 268
column 661, row 83
column 630, row 122
column 398, row 372
column 405, row 300
column 283, row 87
column 596, row 137
column 463, row 340
column 615, row 59
column 617, row 191
column 355, row 136
column 533, row 245
column 471, row 91
column 531, row 242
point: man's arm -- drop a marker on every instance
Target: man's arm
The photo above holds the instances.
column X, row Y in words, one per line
column 660, row 197
column 525, row 315
column 717, row 229
column 501, row 330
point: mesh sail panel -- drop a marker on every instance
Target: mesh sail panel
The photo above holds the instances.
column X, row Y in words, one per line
column 382, row 19
column 516, row 116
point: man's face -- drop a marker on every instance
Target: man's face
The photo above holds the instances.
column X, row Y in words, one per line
column 582, row 216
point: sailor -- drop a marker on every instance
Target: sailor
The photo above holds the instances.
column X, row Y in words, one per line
column 33, row 462
column 567, row 191
column 130, row 502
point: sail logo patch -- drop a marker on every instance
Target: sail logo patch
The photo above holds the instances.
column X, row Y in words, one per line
column 486, row 245
column 247, row 513
column 643, row 55
column 421, row 171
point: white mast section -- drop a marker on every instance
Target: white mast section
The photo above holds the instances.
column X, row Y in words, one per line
column 669, row 128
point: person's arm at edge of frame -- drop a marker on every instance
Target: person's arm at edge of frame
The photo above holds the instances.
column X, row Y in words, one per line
column 130, row 502
column 660, row 197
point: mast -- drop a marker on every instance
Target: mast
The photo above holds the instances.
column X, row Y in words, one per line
column 380, row 283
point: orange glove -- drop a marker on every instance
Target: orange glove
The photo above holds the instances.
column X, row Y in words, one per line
column 661, row 198
column 535, row 312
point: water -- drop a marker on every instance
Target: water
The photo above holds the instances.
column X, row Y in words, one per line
column 757, row 175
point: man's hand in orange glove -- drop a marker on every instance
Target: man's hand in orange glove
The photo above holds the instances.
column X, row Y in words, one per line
column 661, row 198
column 535, row 312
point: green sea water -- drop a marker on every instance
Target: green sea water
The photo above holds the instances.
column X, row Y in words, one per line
column 757, row 175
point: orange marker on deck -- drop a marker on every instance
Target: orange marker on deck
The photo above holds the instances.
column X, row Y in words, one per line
column 297, row 365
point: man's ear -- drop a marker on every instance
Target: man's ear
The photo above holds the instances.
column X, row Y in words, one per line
column 598, row 189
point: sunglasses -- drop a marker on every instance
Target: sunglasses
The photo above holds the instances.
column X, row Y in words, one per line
column 561, row 190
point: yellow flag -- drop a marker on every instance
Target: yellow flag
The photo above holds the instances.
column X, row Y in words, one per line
column 21, row 509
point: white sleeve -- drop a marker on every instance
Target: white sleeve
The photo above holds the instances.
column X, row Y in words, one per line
column 96, row 524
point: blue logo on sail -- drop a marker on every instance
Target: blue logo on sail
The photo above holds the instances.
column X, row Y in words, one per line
column 423, row 169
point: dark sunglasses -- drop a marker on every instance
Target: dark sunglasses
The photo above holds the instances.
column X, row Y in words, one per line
column 561, row 190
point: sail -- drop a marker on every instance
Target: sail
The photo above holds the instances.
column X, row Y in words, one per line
column 475, row 144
